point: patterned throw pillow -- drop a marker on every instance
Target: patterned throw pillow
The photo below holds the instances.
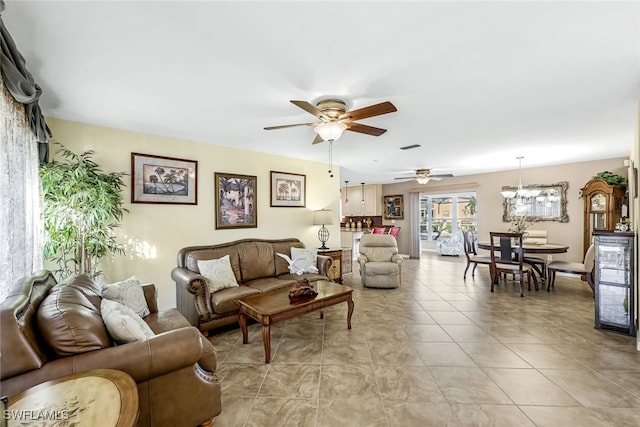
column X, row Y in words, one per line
column 218, row 272
column 305, row 259
column 128, row 292
column 124, row 325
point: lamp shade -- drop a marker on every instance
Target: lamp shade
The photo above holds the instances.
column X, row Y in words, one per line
column 330, row 131
column 322, row 217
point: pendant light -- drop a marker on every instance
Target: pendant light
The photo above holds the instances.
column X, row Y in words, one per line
column 346, row 193
column 363, row 203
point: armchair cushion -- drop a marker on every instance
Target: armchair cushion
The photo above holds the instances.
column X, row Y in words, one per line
column 69, row 318
column 128, row 292
column 124, row 324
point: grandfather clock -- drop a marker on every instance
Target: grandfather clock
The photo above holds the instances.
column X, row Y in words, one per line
column 602, row 207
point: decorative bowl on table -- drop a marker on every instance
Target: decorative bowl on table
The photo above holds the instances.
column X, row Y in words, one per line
column 301, row 291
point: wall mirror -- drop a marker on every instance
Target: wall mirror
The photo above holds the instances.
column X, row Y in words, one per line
column 536, row 202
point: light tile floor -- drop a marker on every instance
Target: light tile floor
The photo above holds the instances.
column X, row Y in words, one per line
column 439, row 350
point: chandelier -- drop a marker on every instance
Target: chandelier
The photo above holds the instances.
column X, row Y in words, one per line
column 522, row 195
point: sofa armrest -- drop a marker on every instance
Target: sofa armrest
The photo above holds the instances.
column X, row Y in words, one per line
column 151, row 296
column 324, row 263
column 362, row 259
column 397, row 259
column 143, row 360
column 193, row 299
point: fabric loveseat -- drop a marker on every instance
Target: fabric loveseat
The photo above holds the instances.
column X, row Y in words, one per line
column 51, row 330
column 256, row 267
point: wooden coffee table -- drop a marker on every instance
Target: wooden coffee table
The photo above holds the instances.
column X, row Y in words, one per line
column 272, row 307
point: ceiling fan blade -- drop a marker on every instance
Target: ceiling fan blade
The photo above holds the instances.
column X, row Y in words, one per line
column 369, row 130
column 290, row 126
column 407, row 177
column 441, row 175
column 310, row 109
column 370, row 111
column 318, row 139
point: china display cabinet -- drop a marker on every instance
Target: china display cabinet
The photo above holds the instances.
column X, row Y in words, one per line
column 614, row 298
column 602, row 208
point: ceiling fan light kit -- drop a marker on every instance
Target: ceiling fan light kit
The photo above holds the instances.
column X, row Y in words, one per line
column 330, row 131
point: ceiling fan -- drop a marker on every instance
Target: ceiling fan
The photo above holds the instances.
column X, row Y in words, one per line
column 335, row 118
column 424, row 175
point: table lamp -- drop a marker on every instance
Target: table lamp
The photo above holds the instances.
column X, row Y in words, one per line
column 323, row 217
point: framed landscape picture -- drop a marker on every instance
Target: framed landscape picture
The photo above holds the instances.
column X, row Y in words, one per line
column 159, row 179
column 288, row 190
column 393, row 207
column 235, row 201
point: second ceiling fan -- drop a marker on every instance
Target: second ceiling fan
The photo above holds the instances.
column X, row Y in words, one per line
column 335, row 118
column 424, row 175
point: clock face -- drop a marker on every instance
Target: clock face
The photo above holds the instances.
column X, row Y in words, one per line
column 598, row 202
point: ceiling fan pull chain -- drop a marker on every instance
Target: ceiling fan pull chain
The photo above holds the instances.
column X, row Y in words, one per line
column 330, row 158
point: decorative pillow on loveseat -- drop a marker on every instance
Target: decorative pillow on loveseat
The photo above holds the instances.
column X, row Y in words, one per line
column 305, row 259
column 124, row 324
column 128, row 292
column 218, row 272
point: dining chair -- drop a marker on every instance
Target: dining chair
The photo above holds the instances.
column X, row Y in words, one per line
column 505, row 245
column 538, row 263
column 585, row 267
column 394, row 231
column 472, row 255
column 378, row 230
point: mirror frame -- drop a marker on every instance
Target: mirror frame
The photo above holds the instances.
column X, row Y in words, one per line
column 561, row 187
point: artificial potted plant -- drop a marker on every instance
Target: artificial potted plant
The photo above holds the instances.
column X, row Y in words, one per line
column 82, row 207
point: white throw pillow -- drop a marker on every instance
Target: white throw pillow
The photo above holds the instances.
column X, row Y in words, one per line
column 128, row 292
column 218, row 272
column 124, row 325
column 305, row 260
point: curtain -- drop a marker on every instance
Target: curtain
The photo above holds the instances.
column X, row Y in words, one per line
column 20, row 196
column 20, row 83
column 414, row 225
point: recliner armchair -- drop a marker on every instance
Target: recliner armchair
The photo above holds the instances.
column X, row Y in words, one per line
column 380, row 263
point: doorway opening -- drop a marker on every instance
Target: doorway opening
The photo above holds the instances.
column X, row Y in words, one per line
column 443, row 215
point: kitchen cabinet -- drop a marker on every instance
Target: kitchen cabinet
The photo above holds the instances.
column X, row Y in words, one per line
column 371, row 195
column 614, row 294
column 351, row 240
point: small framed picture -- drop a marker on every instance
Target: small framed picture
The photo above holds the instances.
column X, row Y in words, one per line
column 159, row 179
column 235, row 201
column 288, row 190
column 393, row 207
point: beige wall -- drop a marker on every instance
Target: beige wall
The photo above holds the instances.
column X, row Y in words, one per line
column 488, row 187
column 154, row 233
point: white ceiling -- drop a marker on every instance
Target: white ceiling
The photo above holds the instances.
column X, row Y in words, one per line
column 476, row 83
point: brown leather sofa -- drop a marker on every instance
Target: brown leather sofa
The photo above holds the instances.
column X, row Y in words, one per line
column 50, row 330
column 256, row 267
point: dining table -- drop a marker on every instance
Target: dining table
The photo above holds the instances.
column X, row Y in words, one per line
column 530, row 248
